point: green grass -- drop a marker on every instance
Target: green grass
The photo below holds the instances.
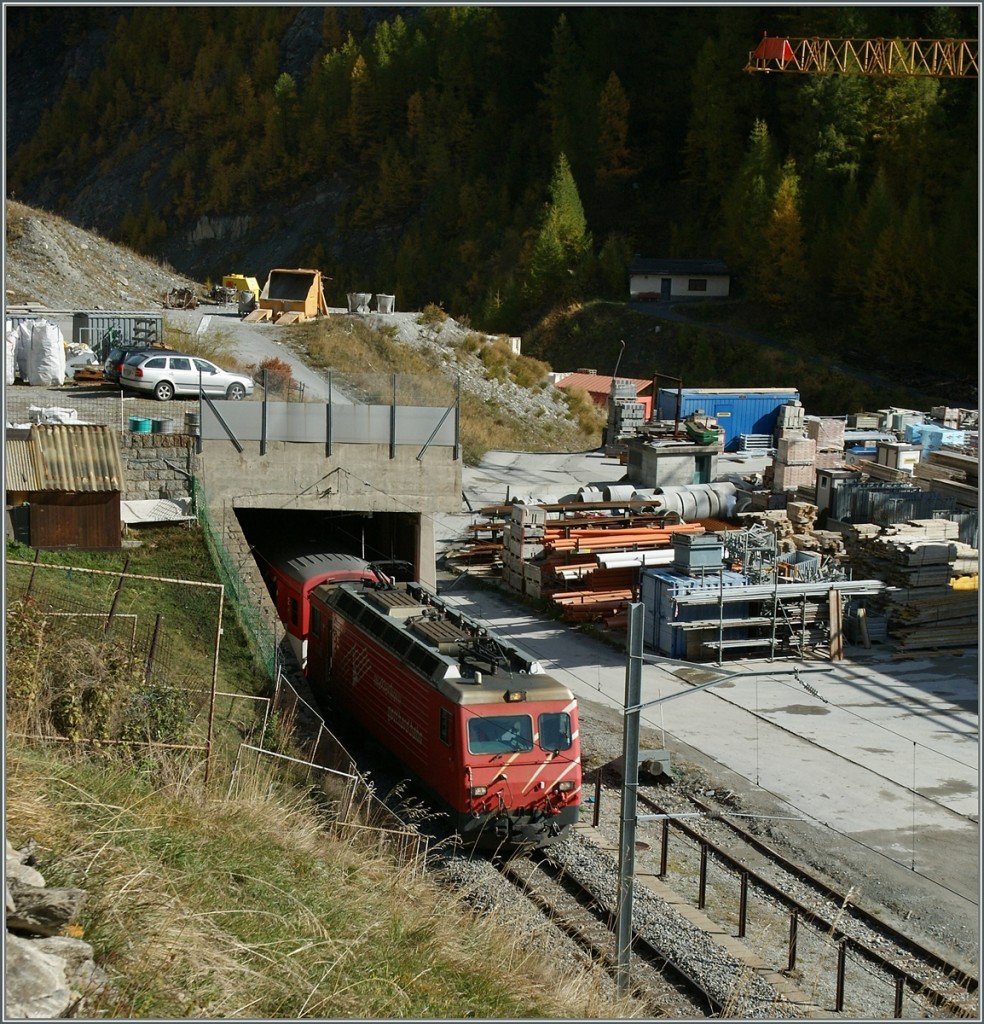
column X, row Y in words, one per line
column 201, row 905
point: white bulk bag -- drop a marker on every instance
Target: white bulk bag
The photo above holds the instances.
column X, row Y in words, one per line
column 46, row 364
column 11, row 364
column 22, row 350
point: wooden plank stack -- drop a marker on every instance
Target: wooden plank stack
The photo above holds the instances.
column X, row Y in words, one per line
column 920, row 560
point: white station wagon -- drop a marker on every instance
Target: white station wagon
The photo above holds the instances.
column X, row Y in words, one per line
column 173, row 373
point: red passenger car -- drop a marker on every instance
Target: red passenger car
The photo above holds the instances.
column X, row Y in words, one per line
column 290, row 580
column 490, row 737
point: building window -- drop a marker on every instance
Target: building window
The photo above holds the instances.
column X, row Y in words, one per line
column 697, row 284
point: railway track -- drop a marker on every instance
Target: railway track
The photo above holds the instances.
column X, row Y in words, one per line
column 665, row 988
column 844, row 948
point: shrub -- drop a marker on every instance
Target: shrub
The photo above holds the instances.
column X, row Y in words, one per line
column 432, row 314
column 279, row 375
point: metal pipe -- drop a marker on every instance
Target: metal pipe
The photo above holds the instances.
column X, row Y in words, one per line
column 702, row 890
column 841, row 962
column 743, row 905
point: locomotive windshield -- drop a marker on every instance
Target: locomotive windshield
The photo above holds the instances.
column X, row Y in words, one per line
column 500, row 734
column 555, row 731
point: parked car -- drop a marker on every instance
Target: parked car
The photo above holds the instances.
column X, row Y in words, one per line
column 166, row 374
column 117, row 355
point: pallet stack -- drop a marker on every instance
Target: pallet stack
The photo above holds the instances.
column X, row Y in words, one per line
column 590, row 569
column 921, row 560
column 795, row 463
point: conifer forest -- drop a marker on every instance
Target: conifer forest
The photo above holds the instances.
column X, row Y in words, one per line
column 506, row 161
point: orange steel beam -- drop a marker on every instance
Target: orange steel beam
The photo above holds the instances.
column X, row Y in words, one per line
column 938, row 58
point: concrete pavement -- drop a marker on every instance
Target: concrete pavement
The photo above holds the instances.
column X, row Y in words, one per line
column 881, row 750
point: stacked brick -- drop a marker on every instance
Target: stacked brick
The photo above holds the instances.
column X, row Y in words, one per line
column 795, row 463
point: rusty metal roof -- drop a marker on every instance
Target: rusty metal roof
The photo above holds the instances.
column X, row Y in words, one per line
column 595, row 383
column 57, row 457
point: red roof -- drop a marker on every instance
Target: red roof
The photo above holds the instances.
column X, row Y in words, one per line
column 595, row 383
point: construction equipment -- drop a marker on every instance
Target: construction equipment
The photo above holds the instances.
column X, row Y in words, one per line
column 290, row 296
column 240, row 283
column 937, row 58
column 180, row 298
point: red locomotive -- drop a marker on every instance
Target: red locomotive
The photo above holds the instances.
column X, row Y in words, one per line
column 491, row 739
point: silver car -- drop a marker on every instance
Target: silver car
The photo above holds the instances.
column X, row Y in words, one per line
column 167, row 374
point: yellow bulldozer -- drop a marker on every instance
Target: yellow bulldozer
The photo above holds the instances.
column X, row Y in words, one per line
column 290, row 296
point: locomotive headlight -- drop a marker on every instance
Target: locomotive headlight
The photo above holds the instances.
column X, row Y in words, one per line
column 565, row 787
column 478, row 790
column 513, row 696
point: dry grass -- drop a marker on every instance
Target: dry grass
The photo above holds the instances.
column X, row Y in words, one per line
column 246, row 907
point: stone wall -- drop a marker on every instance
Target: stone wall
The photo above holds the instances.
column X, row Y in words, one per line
column 157, row 465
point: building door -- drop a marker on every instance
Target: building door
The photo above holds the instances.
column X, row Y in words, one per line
column 665, row 287
column 702, row 469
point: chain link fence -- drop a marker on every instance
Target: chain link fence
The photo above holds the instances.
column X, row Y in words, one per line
column 317, row 758
column 259, row 633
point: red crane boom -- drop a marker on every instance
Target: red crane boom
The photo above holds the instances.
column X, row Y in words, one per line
column 938, row 58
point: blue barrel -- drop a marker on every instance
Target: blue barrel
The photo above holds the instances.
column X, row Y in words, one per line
column 139, row 425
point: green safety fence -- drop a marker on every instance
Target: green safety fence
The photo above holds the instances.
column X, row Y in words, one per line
column 261, row 637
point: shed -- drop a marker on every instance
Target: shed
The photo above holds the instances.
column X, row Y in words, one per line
column 666, row 280
column 102, row 330
column 737, row 410
column 69, row 477
column 599, row 387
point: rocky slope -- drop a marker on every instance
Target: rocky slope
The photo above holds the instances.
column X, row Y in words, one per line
column 52, row 263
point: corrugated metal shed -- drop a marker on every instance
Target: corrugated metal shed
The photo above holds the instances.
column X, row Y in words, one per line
column 738, row 411
column 67, row 458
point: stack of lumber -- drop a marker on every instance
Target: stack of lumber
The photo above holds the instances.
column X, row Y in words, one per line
column 795, row 529
column 919, row 560
column 951, row 473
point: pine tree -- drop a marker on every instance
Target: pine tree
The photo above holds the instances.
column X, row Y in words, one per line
column 614, row 159
column 782, row 275
column 563, row 244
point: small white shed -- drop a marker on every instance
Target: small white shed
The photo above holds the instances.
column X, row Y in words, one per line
column 665, row 280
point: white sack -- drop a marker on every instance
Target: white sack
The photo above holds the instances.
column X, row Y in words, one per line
column 22, row 352
column 11, row 363
column 53, row 414
column 46, row 364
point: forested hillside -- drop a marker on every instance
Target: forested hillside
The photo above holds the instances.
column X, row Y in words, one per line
column 506, row 161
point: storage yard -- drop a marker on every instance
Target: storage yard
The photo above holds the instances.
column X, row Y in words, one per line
column 826, row 531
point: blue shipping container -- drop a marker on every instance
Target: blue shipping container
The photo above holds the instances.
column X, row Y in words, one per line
column 753, row 411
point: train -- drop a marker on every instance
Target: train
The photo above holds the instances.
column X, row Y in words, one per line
column 490, row 738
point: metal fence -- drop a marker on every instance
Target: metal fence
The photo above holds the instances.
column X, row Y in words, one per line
column 888, row 504
column 321, row 759
column 261, row 636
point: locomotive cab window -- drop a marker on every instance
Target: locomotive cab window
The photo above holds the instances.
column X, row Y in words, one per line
column 292, row 607
column 555, row 731
column 445, row 726
column 500, row 734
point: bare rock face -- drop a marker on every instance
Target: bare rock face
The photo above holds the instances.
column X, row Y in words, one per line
column 47, row 973
column 35, row 985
